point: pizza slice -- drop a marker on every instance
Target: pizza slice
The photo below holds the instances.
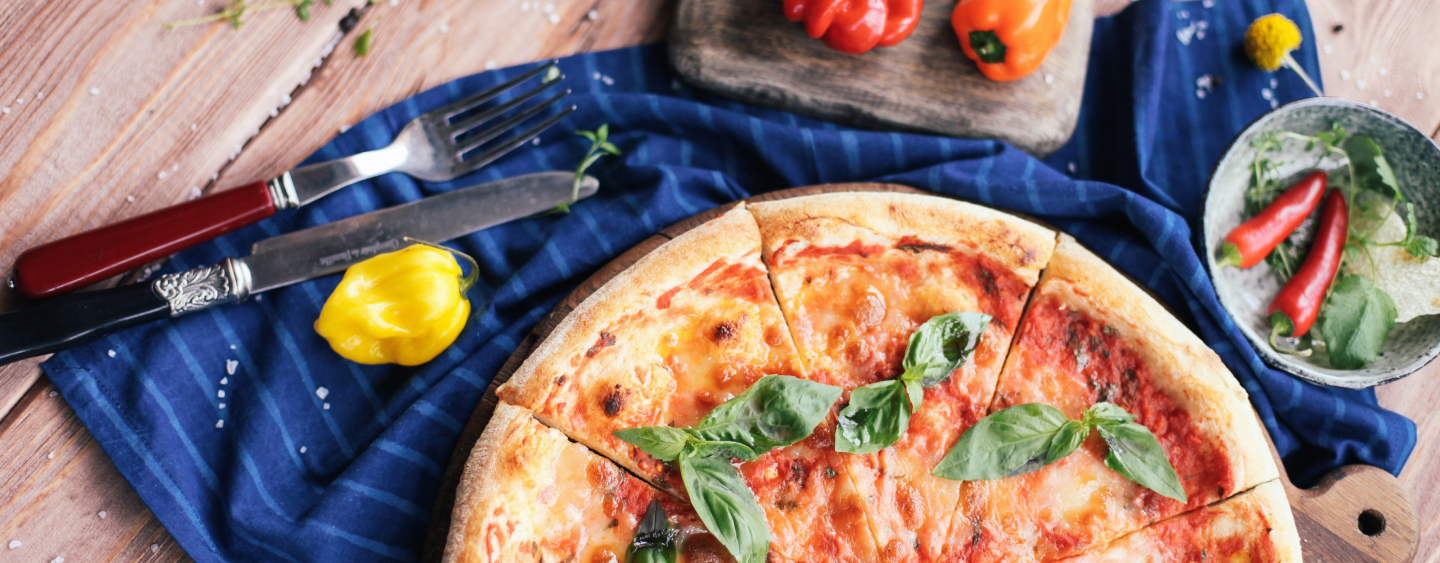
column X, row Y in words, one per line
column 693, row 324
column 856, row 274
column 1252, row 526
column 529, row 494
column 1090, row 335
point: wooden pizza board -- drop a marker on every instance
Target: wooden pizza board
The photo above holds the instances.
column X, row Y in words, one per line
column 747, row 50
column 1357, row 513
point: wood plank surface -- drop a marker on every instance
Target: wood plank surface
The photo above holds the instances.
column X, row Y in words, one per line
column 70, row 158
column 739, row 49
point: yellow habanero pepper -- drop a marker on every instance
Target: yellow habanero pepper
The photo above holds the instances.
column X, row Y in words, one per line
column 402, row 307
column 1008, row 39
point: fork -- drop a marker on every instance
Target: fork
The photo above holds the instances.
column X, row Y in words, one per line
column 433, row 147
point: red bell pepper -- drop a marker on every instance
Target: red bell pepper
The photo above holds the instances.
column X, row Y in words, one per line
column 856, row 26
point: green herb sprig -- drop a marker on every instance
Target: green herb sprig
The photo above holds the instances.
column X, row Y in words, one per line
column 777, row 411
column 1024, row 438
column 599, row 146
column 879, row 413
column 236, row 10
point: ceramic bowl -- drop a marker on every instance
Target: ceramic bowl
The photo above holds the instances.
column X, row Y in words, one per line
column 1247, row 293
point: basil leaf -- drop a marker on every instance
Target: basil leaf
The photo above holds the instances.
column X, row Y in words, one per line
column 1106, row 412
column 654, row 539
column 1010, row 442
column 1355, row 321
column 1136, row 454
column 777, row 411
column 721, row 449
column 663, row 442
column 1372, row 171
column 1067, row 440
column 942, row 344
column 727, row 507
column 878, row 414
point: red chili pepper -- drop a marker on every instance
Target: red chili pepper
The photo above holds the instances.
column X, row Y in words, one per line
column 1253, row 240
column 1298, row 303
column 856, row 26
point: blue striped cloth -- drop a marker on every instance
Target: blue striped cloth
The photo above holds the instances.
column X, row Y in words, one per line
column 251, row 441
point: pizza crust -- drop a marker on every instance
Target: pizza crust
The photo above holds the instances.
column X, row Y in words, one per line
column 731, row 235
column 1182, row 365
column 483, row 495
column 839, row 219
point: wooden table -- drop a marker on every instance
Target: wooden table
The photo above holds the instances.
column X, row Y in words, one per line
column 110, row 116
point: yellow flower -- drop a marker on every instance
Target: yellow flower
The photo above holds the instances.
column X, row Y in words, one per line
column 1269, row 39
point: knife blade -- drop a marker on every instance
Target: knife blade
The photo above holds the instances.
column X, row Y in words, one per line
column 75, row 319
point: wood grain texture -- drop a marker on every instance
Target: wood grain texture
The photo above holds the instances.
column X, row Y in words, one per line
column 747, row 50
column 1326, row 516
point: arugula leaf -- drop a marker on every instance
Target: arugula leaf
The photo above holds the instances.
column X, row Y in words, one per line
column 1067, row 440
column 942, row 344
column 1135, row 454
column 1010, row 442
column 878, row 414
column 727, row 507
column 777, row 411
column 654, row 538
column 1355, row 321
column 662, row 442
column 1372, row 171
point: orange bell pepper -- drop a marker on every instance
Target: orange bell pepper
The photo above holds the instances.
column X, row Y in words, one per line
column 1008, row 39
column 856, row 26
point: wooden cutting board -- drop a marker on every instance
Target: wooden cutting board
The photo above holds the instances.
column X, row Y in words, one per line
column 1357, row 513
column 747, row 50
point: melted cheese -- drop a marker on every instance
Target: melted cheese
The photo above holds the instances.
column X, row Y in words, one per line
column 1238, row 530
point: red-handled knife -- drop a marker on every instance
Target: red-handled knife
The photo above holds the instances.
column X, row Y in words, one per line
column 431, row 147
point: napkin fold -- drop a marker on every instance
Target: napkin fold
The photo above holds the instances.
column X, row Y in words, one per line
column 252, row 441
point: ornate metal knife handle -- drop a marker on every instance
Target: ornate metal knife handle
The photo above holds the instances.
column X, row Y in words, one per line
column 203, row 287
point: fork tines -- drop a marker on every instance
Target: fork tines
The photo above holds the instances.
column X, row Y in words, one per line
column 463, row 133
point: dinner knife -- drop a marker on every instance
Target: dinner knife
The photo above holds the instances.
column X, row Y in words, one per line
column 75, row 319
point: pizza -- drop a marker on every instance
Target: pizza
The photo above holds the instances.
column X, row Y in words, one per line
column 832, row 292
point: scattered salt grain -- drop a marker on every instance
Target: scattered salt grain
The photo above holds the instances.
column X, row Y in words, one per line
column 554, row 18
column 607, row 80
column 1374, row 59
column 524, row 6
column 1274, row 104
column 5, row 110
column 259, row 297
column 1049, row 78
column 490, row 65
column 220, row 394
column 1419, row 95
column 322, row 392
column 596, row 76
column 1374, row 103
column 444, row 28
column 224, row 381
column 110, row 353
column 1345, row 75
column 51, row 455
column 1360, row 84
column 1384, row 71
column 40, row 95
column 1184, row 14
column 285, row 100
column 302, row 449
column 1274, row 83
column 230, row 366
column 131, row 198
column 1185, row 34
column 19, row 101
column 394, row 2
column 154, row 547
column 94, row 91
column 274, row 112
column 14, row 544
column 162, row 174
column 592, row 15
column 195, row 193
column 232, row 346
column 549, row 8
column 102, row 514
column 222, row 406
column 220, row 423
column 536, row 141
column 1327, row 49
column 1387, row 93
column 175, row 167
column 52, row 393
column 344, row 127
column 1267, row 93
column 325, row 406
column 58, row 560
column 1208, row 3
column 1071, row 167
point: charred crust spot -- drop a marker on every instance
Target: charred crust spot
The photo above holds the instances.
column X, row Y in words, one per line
column 830, row 473
column 613, row 523
column 606, row 340
column 614, row 401
column 797, row 471
column 1220, row 492
column 977, row 532
column 725, row 331
column 922, row 247
column 560, row 381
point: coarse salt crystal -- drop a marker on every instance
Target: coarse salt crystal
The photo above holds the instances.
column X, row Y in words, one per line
column 102, row 514
column 597, row 76
column 394, row 2
column 1374, row 103
column 322, row 392
column 14, row 544
column 1208, row 3
column 592, row 15
column 1387, row 93
column 444, row 28
column 1267, row 93
column 1360, row 84
column 535, row 141
column 222, row 405
column 1326, row 48
column 224, row 381
column 19, row 101
column 220, row 394
column 490, row 65
column 549, row 8
column 193, row 126
column 162, row 174
column 52, row 393
column 51, row 455
column 195, row 194
column 94, row 91
column 220, row 423
column 154, row 547
column 1419, row 95
column 1071, row 166
column 232, row 346
column 1384, row 71
column 344, row 127
column 39, row 95
column 1345, row 75
column 1049, row 78
column 1184, row 14
column 5, row 110
column 110, row 353
column 175, row 167
column 259, row 297
column 524, row 6
column 58, row 560
column 326, row 406
column 302, row 449
column 230, row 366
column 554, row 18
column 1185, row 34
column 274, row 112
column 1274, row 104
column 285, row 100
column 607, row 80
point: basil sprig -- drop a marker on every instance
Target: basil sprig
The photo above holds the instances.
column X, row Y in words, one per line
column 654, row 539
column 879, row 413
column 777, row 411
column 1025, row 438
